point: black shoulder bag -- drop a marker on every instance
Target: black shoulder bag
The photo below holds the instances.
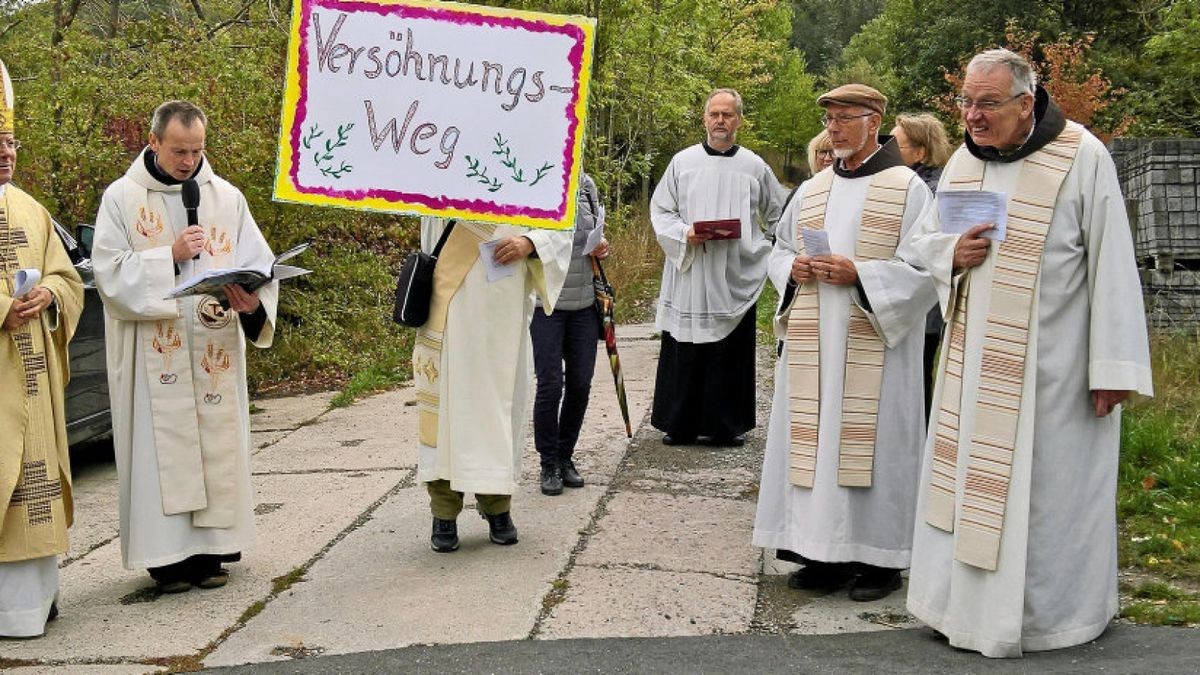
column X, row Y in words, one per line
column 414, row 286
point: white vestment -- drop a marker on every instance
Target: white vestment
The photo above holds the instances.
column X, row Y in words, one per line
column 210, row 511
column 706, row 290
column 28, row 587
column 828, row 522
column 486, row 364
column 1056, row 580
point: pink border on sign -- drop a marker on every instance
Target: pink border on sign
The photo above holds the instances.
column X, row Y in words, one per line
column 455, row 16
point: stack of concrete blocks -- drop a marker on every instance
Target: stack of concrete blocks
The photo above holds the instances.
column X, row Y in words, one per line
column 1159, row 181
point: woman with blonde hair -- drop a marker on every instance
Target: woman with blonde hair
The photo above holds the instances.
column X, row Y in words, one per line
column 820, row 152
column 923, row 146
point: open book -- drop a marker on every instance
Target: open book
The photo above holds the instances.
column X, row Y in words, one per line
column 251, row 279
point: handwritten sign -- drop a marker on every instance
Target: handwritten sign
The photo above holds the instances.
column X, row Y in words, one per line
column 435, row 108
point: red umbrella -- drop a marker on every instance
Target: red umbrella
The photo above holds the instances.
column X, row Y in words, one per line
column 604, row 303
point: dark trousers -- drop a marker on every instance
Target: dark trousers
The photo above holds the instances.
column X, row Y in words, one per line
column 564, row 358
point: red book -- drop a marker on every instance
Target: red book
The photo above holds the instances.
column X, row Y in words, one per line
column 729, row 228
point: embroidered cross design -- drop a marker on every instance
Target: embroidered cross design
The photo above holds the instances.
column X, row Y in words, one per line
column 35, row 363
column 9, row 241
column 37, row 491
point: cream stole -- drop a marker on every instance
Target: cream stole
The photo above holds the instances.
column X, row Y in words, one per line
column 878, row 235
column 1002, row 370
column 192, row 366
column 456, row 259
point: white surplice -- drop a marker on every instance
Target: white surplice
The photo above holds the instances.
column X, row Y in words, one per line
column 1056, row 581
column 487, row 365
column 27, row 589
column 134, row 277
column 706, row 290
column 828, row 522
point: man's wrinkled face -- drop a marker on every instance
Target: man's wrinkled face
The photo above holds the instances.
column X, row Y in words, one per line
column 721, row 120
column 8, row 157
column 180, row 149
column 850, row 126
column 1007, row 125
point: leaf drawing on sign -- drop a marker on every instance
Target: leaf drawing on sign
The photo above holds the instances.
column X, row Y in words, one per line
column 323, row 158
column 508, row 159
column 477, row 170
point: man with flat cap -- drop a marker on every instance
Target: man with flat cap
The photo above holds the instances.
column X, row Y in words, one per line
column 839, row 478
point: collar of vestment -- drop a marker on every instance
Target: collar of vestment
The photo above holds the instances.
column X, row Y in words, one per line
column 718, row 153
column 887, row 156
column 145, row 172
column 1049, row 122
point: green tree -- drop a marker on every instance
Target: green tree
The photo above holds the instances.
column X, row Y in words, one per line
column 788, row 116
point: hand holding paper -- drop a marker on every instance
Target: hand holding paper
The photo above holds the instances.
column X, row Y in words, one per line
column 816, row 242
column 26, row 280
column 961, row 210
column 495, row 270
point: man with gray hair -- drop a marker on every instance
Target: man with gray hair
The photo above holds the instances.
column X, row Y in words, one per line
column 177, row 367
column 1015, row 543
column 711, row 213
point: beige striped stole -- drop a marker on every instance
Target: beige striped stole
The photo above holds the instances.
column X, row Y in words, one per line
column 455, row 260
column 878, row 235
column 1002, row 369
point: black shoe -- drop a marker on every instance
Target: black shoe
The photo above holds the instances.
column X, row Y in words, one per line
column 570, row 475
column 53, row 612
column 678, row 439
column 501, row 529
column 445, row 535
column 173, row 578
column 726, row 442
column 820, row 576
column 875, row 583
column 552, row 480
column 230, row 557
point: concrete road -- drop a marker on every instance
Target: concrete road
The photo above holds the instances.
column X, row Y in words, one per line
column 648, row 568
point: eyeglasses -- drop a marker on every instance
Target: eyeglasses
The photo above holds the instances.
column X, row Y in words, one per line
column 825, row 154
column 827, row 120
column 10, row 144
column 983, row 106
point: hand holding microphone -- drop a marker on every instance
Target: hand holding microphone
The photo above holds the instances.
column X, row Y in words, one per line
column 191, row 241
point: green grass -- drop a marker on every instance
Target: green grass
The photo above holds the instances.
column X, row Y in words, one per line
column 1158, row 496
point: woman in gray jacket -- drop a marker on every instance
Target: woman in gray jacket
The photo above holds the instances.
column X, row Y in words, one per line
column 564, row 352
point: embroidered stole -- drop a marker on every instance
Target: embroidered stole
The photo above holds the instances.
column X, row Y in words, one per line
column 192, row 365
column 456, row 259
column 878, row 235
column 1002, row 369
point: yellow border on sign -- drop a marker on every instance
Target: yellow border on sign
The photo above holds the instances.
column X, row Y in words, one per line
column 285, row 191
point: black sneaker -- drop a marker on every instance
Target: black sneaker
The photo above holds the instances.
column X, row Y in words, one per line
column 501, row 529
column 445, row 535
column 679, row 439
column 552, row 480
column 875, row 583
column 570, row 475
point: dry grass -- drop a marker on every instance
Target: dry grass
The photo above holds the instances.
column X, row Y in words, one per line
column 635, row 265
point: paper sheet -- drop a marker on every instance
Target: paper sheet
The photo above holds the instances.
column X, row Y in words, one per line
column 960, row 210
column 26, row 280
column 816, row 242
column 593, row 239
column 495, row 271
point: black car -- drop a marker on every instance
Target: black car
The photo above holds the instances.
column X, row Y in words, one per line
column 87, row 403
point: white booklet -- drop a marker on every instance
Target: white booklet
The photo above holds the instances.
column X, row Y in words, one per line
column 212, row 281
column 816, row 242
column 960, row 210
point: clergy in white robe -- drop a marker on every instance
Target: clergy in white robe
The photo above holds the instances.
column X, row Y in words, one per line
column 839, row 477
column 473, row 366
column 1015, row 543
column 705, row 385
column 177, row 367
column 35, row 469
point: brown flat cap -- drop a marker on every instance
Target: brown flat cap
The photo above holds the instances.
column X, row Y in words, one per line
column 855, row 94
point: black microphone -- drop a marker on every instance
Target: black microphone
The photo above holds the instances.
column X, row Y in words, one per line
column 190, row 192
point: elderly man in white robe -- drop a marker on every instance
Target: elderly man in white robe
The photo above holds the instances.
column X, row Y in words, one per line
column 1015, row 544
column 711, row 213
column 177, row 367
column 473, row 364
column 839, row 478
column 37, row 321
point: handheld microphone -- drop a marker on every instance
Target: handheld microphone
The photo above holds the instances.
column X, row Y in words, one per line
column 190, row 191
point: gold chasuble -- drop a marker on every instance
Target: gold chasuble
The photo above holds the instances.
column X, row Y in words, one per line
column 35, row 470
column 456, row 259
column 1001, row 380
column 878, row 236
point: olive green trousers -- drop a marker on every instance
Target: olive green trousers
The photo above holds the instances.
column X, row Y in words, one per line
column 446, row 503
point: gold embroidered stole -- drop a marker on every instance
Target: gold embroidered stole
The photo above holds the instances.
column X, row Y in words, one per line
column 1002, row 369
column 878, row 235
column 456, row 259
column 192, row 365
